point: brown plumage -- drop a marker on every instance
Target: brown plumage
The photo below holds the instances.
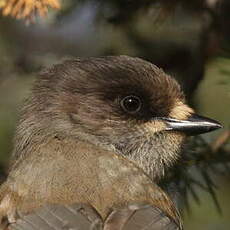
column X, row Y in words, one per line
column 94, row 132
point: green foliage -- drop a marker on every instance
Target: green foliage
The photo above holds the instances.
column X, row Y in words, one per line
column 200, row 165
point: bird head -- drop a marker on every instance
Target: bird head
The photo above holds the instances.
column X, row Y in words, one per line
column 122, row 104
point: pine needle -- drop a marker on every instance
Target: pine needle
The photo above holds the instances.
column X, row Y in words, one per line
column 27, row 9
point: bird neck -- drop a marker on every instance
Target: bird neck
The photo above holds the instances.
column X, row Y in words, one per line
column 154, row 155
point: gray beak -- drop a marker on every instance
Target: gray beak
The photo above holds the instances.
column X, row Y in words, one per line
column 194, row 125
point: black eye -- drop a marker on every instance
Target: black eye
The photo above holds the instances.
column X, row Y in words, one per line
column 131, row 104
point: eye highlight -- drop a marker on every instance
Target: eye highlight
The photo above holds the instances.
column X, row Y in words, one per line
column 131, row 104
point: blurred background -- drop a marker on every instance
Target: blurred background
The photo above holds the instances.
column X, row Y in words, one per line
column 188, row 39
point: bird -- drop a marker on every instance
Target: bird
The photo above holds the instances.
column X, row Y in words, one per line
column 95, row 137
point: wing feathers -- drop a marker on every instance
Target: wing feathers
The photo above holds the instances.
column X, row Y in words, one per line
column 84, row 217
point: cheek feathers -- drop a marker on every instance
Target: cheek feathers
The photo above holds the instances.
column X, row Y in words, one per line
column 154, row 126
column 180, row 111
